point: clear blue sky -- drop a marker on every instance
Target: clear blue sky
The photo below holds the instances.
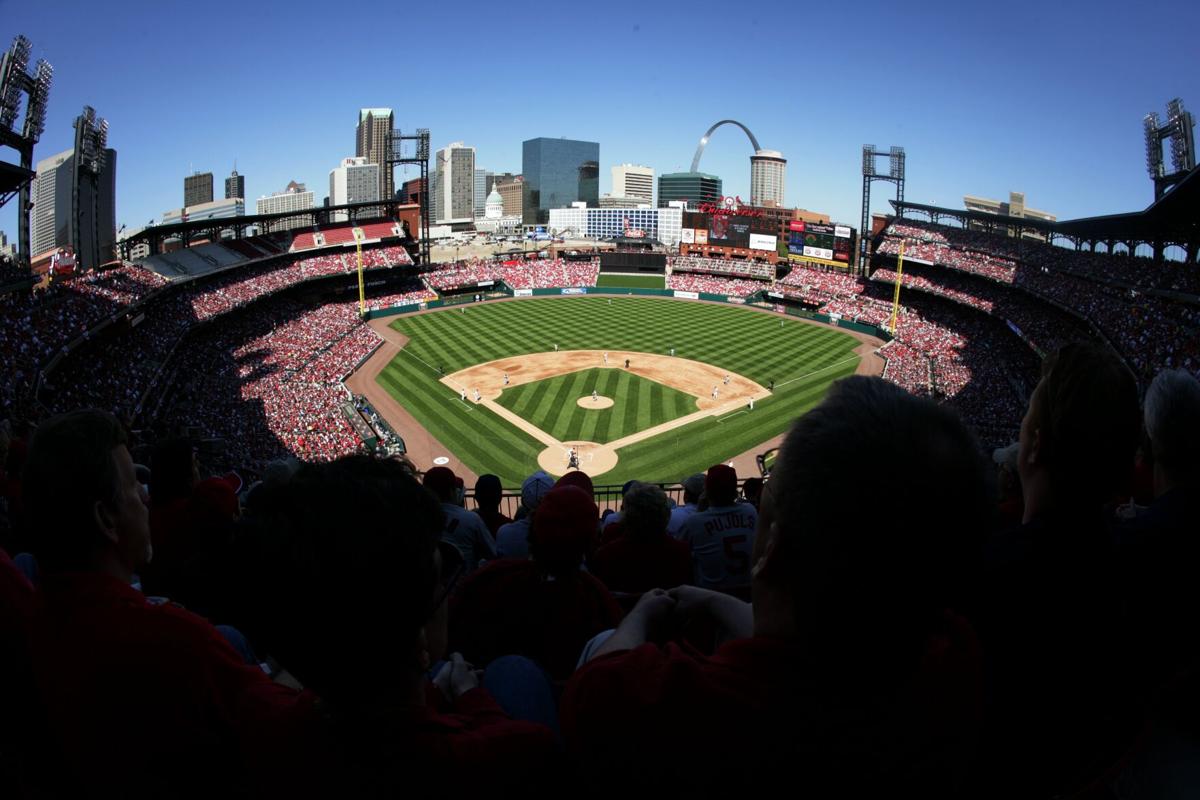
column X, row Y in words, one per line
column 1042, row 97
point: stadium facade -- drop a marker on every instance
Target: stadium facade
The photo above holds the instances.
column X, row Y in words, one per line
column 654, row 224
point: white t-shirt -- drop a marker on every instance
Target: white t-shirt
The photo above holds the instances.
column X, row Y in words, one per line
column 679, row 515
column 722, row 542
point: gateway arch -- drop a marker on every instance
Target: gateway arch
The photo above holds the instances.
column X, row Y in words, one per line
column 768, row 168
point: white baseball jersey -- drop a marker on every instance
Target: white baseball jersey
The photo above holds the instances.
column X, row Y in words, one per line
column 722, row 541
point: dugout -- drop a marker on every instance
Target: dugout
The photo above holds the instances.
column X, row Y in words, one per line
column 627, row 262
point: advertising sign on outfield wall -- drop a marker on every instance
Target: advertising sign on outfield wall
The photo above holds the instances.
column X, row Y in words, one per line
column 523, row 293
column 687, row 295
column 760, row 241
column 574, row 290
column 688, row 236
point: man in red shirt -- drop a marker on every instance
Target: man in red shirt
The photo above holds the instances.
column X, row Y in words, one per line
column 115, row 671
column 645, row 557
column 850, row 675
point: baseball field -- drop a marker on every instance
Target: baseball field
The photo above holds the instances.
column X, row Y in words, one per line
column 508, row 386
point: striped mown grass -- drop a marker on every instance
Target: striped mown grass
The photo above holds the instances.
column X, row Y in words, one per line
column 610, row 280
column 638, row 404
column 801, row 359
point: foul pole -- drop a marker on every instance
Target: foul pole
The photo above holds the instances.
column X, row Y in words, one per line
column 362, row 300
column 895, row 296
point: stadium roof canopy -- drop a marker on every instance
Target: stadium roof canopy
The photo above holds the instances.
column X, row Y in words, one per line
column 1173, row 219
column 12, row 177
column 263, row 223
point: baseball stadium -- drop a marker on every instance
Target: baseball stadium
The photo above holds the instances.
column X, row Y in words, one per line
column 897, row 504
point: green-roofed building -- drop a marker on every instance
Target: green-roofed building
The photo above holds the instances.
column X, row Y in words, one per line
column 693, row 187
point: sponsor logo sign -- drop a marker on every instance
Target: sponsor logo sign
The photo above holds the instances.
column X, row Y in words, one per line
column 574, row 290
column 701, row 236
column 688, row 236
column 487, row 283
column 760, row 241
column 523, row 293
column 687, row 295
column 741, row 301
column 842, row 231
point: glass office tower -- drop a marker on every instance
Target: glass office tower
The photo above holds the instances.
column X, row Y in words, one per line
column 558, row 172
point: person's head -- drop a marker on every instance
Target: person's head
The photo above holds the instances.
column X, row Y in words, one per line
column 1080, row 431
column 863, row 572
column 344, row 570
column 693, row 487
column 576, row 478
column 1172, row 416
column 720, row 485
column 752, row 489
column 86, row 509
column 488, row 491
column 645, row 512
column 443, row 483
column 562, row 529
column 173, row 469
column 534, row 488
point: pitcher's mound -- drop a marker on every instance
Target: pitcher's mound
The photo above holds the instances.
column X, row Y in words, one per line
column 600, row 402
column 594, row 459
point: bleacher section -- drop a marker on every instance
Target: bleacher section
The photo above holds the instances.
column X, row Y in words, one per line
column 719, row 266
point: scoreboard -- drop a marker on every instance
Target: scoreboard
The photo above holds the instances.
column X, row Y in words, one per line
column 810, row 240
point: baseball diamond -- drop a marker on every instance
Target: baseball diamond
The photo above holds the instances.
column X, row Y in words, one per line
column 447, row 352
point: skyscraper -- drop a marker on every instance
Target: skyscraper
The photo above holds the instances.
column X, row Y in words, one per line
column 454, row 184
column 693, row 187
column 633, row 181
column 558, row 172
column 294, row 198
column 482, row 190
column 373, row 141
column 352, row 181
column 768, row 172
column 235, row 186
column 75, row 206
column 197, row 189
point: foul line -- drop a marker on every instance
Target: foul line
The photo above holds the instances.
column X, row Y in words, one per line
column 816, row 372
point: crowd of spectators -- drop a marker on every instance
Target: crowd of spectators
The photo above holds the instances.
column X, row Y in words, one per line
column 759, row 270
column 36, row 324
column 1046, row 653
column 733, row 287
column 270, row 381
column 1119, row 294
column 540, row 273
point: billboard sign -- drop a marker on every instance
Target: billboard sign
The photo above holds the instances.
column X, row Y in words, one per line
column 688, row 236
column 522, row 292
column 701, row 236
column 687, row 295
column 574, row 291
column 760, row 241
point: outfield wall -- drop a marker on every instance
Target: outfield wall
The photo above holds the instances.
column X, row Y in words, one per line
column 576, row 291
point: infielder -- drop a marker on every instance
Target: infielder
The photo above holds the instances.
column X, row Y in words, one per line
column 726, row 378
column 464, row 394
column 506, row 379
column 477, row 396
column 606, row 359
column 714, row 393
column 672, row 351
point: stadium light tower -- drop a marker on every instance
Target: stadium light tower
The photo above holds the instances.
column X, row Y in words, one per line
column 15, row 80
column 895, row 174
column 1179, row 130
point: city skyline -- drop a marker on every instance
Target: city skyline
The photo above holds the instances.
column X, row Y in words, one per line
column 1075, row 144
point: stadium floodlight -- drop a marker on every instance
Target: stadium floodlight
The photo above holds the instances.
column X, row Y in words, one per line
column 12, row 81
column 39, row 98
column 1183, row 147
column 1153, row 145
column 896, row 162
column 868, row 159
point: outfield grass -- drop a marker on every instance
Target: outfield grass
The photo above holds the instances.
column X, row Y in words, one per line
column 610, row 280
column 552, row 406
column 802, row 359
